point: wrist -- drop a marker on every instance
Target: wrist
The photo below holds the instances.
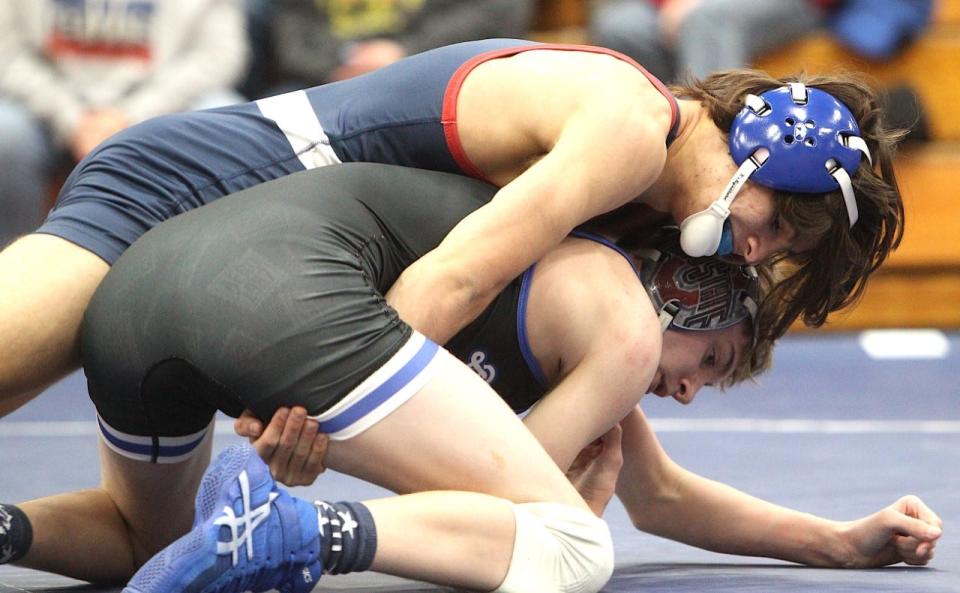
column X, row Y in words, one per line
column 597, row 499
column 814, row 541
column 834, row 551
column 844, row 552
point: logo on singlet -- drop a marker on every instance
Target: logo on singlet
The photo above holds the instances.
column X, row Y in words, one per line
column 478, row 362
column 6, row 523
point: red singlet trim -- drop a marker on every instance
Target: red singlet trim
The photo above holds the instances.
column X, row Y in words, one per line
column 449, row 114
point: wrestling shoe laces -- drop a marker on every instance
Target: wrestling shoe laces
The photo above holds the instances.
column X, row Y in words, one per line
column 249, row 520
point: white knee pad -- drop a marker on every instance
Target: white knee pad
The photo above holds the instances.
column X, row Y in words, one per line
column 558, row 549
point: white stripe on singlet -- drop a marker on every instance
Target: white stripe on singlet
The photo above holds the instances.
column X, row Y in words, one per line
column 298, row 121
column 141, row 448
column 385, row 390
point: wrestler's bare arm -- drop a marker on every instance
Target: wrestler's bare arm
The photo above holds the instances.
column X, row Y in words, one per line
column 593, row 331
column 608, row 150
column 664, row 499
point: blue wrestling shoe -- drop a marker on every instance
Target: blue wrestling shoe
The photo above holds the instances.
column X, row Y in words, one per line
column 249, row 534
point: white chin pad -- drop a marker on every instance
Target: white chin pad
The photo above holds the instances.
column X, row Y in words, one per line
column 700, row 233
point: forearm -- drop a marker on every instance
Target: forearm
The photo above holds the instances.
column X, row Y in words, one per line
column 664, row 499
column 434, row 303
column 717, row 517
column 451, row 285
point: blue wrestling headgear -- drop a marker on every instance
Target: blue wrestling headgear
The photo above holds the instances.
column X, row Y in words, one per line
column 791, row 138
column 699, row 294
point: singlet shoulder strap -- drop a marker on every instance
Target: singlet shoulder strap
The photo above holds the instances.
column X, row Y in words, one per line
column 606, row 243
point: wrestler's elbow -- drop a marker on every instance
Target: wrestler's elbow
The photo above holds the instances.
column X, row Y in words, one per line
column 438, row 299
column 463, row 300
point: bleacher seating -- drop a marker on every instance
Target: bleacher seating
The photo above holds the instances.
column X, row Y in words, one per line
column 920, row 284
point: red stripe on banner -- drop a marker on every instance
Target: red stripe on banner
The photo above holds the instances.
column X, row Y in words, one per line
column 59, row 45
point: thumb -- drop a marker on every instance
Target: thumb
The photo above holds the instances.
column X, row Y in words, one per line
column 612, row 445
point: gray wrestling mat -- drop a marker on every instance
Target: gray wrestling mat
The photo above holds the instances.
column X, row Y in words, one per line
column 654, row 578
column 831, row 431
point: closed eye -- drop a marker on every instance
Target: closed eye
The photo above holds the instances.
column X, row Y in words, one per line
column 710, row 360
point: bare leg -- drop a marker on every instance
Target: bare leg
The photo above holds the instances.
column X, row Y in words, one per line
column 46, row 283
column 90, row 518
column 12, row 404
column 461, row 539
column 455, row 434
column 138, row 509
column 155, row 500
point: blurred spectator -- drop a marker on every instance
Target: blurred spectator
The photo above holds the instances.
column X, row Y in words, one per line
column 318, row 41
column 73, row 72
column 671, row 38
column 262, row 59
column 878, row 29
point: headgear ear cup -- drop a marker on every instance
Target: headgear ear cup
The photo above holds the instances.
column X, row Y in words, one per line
column 726, row 239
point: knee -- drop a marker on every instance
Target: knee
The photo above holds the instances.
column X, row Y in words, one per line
column 558, row 548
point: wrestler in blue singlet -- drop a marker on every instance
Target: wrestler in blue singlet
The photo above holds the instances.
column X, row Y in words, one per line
column 404, row 114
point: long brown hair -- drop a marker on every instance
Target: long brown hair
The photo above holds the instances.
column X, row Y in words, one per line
column 833, row 274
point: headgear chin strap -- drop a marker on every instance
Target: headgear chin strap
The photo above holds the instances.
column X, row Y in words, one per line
column 791, row 138
column 701, row 233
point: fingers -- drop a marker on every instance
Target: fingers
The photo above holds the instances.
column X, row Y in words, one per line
column 602, row 455
column 586, row 456
column 266, row 444
column 611, row 456
column 314, row 464
column 904, row 523
column 302, row 447
column 284, row 455
column 923, row 551
column 911, row 540
column 914, row 552
column 912, row 505
column 597, row 469
column 290, row 445
column 248, row 425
